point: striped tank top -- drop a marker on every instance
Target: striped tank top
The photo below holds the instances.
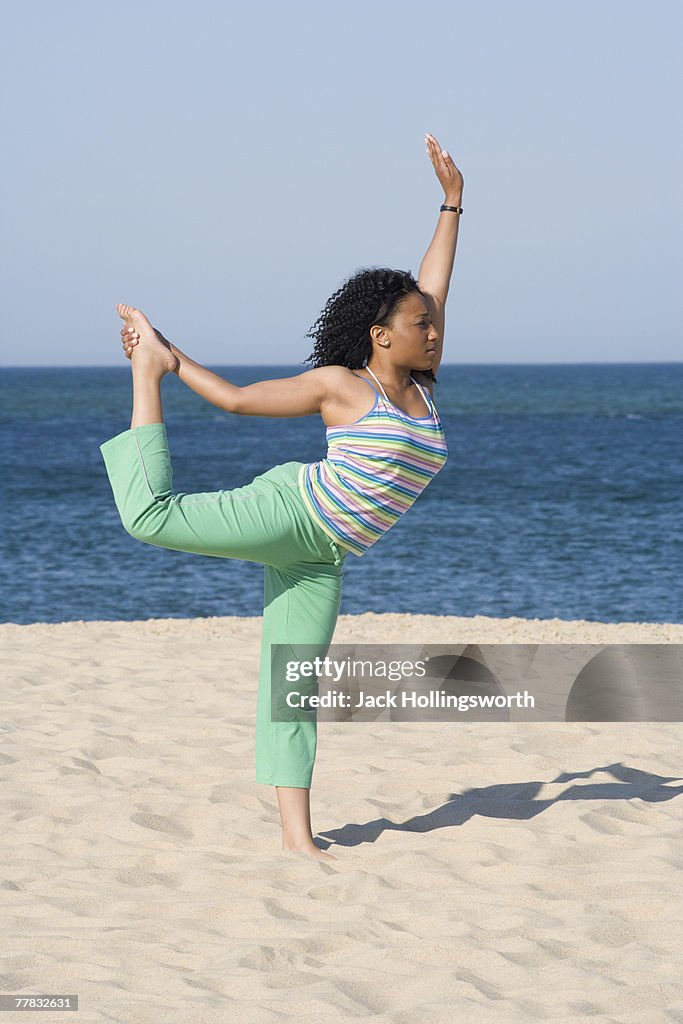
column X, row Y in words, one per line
column 374, row 470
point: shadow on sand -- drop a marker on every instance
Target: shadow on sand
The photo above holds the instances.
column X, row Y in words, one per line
column 514, row 801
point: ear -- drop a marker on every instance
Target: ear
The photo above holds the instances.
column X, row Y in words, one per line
column 378, row 335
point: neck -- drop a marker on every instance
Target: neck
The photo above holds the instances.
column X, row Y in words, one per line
column 395, row 377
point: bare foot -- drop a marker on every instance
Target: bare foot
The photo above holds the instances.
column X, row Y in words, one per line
column 150, row 351
column 309, row 851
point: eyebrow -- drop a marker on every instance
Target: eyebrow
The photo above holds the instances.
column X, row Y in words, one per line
column 421, row 316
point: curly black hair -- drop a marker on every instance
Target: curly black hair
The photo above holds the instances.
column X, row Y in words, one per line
column 342, row 331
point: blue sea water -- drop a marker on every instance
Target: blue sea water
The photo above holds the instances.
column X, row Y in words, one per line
column 561, row 497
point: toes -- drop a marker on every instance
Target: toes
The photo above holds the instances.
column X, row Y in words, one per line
column 135, row 318
column 138, row 319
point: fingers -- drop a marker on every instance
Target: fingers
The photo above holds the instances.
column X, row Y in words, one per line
column 435, row 151
column 433, row 147
column 130, row 338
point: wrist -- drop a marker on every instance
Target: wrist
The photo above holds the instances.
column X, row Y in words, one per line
column 453, row 200
column 178, row 358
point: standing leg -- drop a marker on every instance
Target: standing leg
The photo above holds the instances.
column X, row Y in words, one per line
column 300, row 608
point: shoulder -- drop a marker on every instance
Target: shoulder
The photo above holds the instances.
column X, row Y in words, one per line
column 346, row 396
column 333, row 374
column 335, row 378
column 334, row 384
column 327, row 379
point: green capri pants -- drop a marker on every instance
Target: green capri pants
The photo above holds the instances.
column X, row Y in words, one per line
column 265, row 522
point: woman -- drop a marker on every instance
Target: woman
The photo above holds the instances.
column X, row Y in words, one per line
column 381, row 331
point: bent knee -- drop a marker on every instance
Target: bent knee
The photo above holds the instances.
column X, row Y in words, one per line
column 150, row 525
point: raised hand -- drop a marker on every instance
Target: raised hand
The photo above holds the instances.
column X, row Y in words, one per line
column 448, row 174
column 130, row 338
column 154, row 351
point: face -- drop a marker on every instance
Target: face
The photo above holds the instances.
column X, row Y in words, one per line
column 412, row 336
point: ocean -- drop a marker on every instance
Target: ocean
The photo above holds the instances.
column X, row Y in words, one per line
column 561, row 497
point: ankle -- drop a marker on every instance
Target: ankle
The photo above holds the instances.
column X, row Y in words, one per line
column 297, row 840
column 148, row 372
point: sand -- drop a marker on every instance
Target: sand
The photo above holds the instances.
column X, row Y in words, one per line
column 486, row 872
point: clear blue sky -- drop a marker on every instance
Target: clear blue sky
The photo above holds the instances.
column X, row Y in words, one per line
column 225, row 166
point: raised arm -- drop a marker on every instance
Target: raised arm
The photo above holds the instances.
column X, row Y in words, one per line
column 437, row 265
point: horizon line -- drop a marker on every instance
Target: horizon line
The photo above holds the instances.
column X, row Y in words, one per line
column 118, row 366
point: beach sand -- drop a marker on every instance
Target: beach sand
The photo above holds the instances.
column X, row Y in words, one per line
column 487, row 872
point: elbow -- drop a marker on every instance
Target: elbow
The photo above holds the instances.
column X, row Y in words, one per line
column 234, row 400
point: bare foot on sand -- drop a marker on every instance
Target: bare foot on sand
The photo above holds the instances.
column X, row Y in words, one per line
column 308, row 851
column 149, row 352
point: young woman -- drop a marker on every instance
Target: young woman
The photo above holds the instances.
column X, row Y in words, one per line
column 379, row 340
